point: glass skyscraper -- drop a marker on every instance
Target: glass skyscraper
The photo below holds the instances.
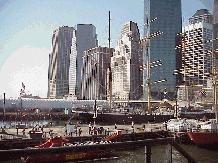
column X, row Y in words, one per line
column 162, row 47
column 85, row 38
column 59, row 62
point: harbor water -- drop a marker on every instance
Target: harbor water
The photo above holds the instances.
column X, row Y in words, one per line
column 159, row 155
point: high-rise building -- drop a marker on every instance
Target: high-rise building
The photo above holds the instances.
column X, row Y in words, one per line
column 85, row 38
column 125, row 64
column 215, row 29
column 94, row 73
column 169, row 21
column 215, row 11
column 59, row 62
column 197, row 63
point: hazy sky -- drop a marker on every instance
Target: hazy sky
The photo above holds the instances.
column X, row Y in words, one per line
column 26, row 31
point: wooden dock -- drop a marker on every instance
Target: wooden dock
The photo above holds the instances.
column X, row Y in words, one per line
column 21, row 143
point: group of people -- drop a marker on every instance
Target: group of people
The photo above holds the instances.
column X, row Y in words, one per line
column 76, row 132
column 92, row 129
column 95, row 131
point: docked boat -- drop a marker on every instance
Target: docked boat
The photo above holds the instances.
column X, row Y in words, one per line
column 203, row 138
column 181, row 125
column 58, row 141
column 207, row 134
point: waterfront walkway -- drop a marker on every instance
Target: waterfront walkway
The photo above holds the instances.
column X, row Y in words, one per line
column 61, row 130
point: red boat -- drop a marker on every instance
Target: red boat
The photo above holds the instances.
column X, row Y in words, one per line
column 59, row 142
column 203, row 137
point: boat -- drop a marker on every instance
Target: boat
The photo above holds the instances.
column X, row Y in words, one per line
column 181, row 125
column 206, row 134
column 58, row 141
column 203, row 138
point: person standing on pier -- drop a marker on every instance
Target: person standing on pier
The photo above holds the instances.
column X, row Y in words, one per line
column 108, row 131
column 80, row 131
column 132, row 126
column 76, row 130
column 23, row 132
column 90, row 128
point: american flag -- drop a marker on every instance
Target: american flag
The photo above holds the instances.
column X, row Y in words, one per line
column 202, row 92
column 22, row 91
column 93, row 63
column 23, row 86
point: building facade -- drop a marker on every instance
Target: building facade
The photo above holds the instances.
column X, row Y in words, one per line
column 127, row 77
column 85, row 38
column 169, row 21
column 196, row 60
column 95, row 73
column 215, row 29
column 59, row 62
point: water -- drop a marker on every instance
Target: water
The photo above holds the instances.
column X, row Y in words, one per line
column 159, row 155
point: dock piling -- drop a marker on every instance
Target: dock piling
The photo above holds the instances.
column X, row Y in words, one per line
column 169, row 153
column 148, row 154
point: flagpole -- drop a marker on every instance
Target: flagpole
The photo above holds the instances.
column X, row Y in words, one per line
column 21, row 107
column 4, row 110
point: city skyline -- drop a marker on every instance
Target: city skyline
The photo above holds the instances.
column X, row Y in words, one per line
column 26, row 38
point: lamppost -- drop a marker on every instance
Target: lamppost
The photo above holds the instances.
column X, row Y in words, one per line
column 95, row 113
column 177, row 87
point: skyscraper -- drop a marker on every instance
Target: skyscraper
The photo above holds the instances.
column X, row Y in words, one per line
column 125, row 64
column 95, row 73
column 59, row 62
column 196, row 61
column 84, row 38
column 215, row 11
column 215, row 29
column 169, row 18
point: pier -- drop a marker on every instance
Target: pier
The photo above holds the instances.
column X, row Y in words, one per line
column 148, row 143
column 130, row 139
column 19, row 143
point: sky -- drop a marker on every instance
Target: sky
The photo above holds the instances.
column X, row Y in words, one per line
column 26, row 34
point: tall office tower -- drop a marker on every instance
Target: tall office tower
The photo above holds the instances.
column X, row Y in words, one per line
column 215, row 29
column 73, row 67
column 49, row 69
column 94, row 73
column 127, row 77
column 215, row 11
column 85, row 38
column 169, row 21
column 196, row 62
column 59, row 62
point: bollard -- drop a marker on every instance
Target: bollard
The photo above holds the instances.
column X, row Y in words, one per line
column 148, row 154
column 169, row 153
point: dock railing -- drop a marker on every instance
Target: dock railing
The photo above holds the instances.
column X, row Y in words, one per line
column 148, row 143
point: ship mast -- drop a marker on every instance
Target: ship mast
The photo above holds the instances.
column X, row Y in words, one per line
column 148, row 66
column 109, row 67
column 214, row 76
